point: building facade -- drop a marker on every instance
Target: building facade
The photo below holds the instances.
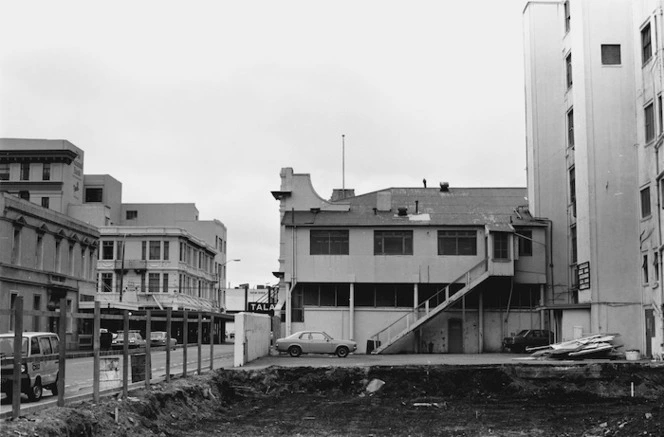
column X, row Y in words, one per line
column 594, row 126
column 45, row 256
column 466, row 265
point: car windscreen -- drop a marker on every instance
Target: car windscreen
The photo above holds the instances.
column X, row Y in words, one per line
column 7, row 346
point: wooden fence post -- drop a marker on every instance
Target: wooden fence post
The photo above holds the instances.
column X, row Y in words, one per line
column 148, row 357
column 125, row 354
column 185, row 325
column 18, row 354
column 200, row 341
column 63, row 352
column 169, row 311
column 211, row 330
column 96, row 340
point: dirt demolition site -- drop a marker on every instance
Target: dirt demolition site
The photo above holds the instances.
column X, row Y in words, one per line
column 552, row 399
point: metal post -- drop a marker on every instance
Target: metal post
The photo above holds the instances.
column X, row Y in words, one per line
column 168, row 349
column 185, row 328
column 148, row 356
column 200, row 341
column 95, row 351
column 63, row 349
column 18, row 355
column 125, row 354
column 211, row 329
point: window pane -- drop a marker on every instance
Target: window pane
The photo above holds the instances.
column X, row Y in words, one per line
column 645, row 202
column 153, row 282
column 611, row 54
column 364, row 295
column 500, row 248
column 327, row 295
column 155, row 250
column 646, row 48
column 328, row 242
column 385, row 295
column 404, row 295
column 343, row 295
column 107, row 250
column 4, row 172
column 649, row 117
column 93, row 194
column 393, row 242
column 525, row 244
column 310, row 294
column 457, row 243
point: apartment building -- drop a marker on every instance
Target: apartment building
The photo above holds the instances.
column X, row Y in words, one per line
column 594, row 126
column 438, row 270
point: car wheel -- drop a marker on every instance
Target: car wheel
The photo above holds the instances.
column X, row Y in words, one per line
column 342, row 351
column 295, row 351
column 36, row 392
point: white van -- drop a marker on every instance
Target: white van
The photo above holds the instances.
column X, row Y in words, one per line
column 35, row 375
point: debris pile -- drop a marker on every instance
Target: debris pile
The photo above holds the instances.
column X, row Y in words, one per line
column 592, row 346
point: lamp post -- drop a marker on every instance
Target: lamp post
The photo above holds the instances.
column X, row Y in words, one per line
column 224, row 279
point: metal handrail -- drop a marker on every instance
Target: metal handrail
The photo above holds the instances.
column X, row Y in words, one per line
column 425, row 305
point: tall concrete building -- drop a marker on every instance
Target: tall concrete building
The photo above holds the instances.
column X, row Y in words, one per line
column 593, row 74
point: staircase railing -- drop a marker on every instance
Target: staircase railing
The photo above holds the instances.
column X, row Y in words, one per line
column 401, row 326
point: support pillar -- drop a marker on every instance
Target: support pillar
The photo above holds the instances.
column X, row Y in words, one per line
column 351, row 315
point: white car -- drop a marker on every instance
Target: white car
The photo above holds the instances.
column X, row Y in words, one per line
column 35, row 375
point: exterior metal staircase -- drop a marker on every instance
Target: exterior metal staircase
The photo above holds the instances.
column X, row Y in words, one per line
column 431, row 307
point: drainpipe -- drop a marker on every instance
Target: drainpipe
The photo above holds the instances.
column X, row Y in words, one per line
column 351, row 310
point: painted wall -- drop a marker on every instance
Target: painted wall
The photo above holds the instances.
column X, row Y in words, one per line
column 252, row 337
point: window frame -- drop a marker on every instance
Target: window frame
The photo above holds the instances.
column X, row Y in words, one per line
column 24, row 174
column 46, row 171
column 5, row 171
column 501, row 246
column 329, row 242
column 458, row 236
column 568, row 16
column 154, row 250
column 525, row 244
column 646, row 43
column 570, row 128
column 568, row 70
column 386, row 240
column 649, row 122
column 645, row 202
column 607, row 55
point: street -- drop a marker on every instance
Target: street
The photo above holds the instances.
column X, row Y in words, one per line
column 79, row 378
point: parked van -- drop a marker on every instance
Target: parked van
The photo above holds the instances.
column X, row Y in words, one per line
column 35, row 375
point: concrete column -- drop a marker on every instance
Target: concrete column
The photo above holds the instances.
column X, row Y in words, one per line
column 415, row 295
column 480, row 331
column 542, row 312
column 351, row 314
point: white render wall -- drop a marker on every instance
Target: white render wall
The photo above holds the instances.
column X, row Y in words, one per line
column 252, row 337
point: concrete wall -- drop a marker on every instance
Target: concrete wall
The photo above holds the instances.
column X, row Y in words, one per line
column 252, row 337
column 159, row 214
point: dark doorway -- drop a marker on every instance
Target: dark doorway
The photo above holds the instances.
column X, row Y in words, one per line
column 650, row 331
column 455, row 331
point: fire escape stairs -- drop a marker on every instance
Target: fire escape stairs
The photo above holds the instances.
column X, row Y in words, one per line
column 407, row 324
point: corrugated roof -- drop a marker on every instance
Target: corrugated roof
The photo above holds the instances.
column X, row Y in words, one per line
column 456, row 207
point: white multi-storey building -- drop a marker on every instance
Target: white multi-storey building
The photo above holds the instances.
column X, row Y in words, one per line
column 594, row 126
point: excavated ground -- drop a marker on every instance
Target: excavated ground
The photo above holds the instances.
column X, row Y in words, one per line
column 606, row 399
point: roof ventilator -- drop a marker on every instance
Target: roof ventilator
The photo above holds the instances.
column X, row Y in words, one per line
column 444, row 187
column 403, row 212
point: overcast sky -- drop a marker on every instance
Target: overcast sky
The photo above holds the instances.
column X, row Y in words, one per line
column 204, row 102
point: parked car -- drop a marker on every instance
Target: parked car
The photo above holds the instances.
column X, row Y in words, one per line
column 528, row 338
column 159, row 338
column 135, row 340
column 314, row 342
column 35, row 375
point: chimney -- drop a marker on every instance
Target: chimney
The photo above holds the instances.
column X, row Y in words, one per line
column 444, row 187
column 341, row 193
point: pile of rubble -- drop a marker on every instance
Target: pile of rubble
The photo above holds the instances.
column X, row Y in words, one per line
column 593, row 346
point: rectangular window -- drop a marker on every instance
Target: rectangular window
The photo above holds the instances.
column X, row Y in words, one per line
column 107, row 282
column 58, row 243
column 153, row 282
column 45, row 202
column 572, row 236
column 36, row 305
column 655, row 264
column 525, row 243
column 567, row 16
column 94, row 195
column 644, row 269
column 144, row 246
column 46, row 171
column 131, row 215
column 500, row 245
column 164, row 287
column 107, row 249
column 364, row 295
column 645, row 202
column 649, row 119
column 4, row 172
column 155, row 250
column 660, row 118
column 16, row 245
column 570, row 128
column 457, row 243
column 142, row 282
column 70, row 257
column 611, row 54
column 568, row 69
column 25, row 171
column 297, row 306
column 39, row 250
column 166, row 251
column 328, row 242
column 646, row 44
column 572, row 190
column 25, row 195
column 119, row 251
column 393, row 242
